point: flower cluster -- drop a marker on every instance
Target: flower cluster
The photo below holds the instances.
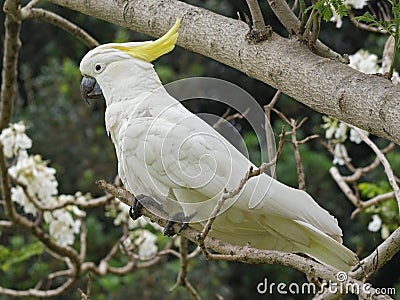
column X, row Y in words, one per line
column 376, row 224
column 35, row 187
column 337, row 132
column 364, row 61
column 367, row 63
column 141, row 240
column 14, row 139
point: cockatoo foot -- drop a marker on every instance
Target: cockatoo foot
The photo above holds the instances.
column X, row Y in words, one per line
column 141, row 201
column 135, row 211
column 169, row 229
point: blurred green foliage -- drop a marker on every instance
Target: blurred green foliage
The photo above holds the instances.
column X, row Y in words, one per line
column 72, row 136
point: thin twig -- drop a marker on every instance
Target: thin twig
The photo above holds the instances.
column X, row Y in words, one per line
column 299, row 165
column 4, row 223
column 225, row 196
column 256, row 15
column 32, row 3
column 86, row 296
column 373, row 201
column 226, row 117
column 385, row 163
column 258, row 32
column 54, row 19
column 39, row 293
column 388, row 53
column 344, row 186
column 182, row 275
column 364, row 26
column 359, row 172
column 295, row 143
column 268, row 130
column 83, row 241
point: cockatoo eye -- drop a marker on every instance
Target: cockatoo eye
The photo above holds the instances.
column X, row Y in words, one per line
column 98, row 68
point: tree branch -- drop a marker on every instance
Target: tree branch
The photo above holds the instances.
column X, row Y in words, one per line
column 378, row 258
column 38, row 13
column 256, row 15
column 38, row 293
column 385, row 163
column 258, row 32
column 344, row 186
column 182, row 275
column 247, row 254
column 12, row 44
column 366, row 101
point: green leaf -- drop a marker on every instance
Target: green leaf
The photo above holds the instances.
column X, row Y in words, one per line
column 10, row 257
column 367, row 18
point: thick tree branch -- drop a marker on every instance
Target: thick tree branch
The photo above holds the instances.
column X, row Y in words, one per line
column 328, row 86
column 12, row 44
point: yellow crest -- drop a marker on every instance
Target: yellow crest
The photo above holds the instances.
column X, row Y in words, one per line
column 151, row 50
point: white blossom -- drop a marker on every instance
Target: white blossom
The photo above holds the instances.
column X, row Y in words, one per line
column 330, row 126
column 76, row 211
column 336, row 18
column 385, row 232
column 146, row 243
column 14, row 139
column 340, row 155
column 143, row 242
column 18, row 196
column 364, row 62
column 62, row 226
column 395, row 78
column 334, row 129
column 123, row 217
column 41, row 185
column 375, row 224
column 357, row 4
column 355, row 137
column 341, row 132
column 39, row 179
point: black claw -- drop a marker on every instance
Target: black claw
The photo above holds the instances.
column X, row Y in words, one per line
column 169, row 230
column 183, row 226
column 135, row 211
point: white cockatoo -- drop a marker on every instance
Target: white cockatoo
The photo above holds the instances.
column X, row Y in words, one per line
column 166, row 152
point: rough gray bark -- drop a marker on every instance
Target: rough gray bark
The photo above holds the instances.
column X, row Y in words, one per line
column 327, row 86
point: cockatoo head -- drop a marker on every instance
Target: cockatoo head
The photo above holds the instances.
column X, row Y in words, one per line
column 108, row 63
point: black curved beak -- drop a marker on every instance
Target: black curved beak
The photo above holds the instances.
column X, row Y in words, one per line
column 90, row 89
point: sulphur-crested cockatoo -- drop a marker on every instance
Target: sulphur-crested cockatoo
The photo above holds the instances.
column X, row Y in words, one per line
column 166, row 152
